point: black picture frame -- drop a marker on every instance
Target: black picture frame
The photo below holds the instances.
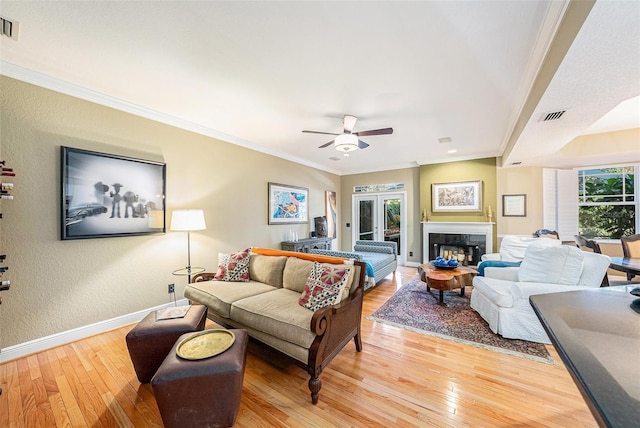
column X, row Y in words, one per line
column 106, row 195
column 514, row 205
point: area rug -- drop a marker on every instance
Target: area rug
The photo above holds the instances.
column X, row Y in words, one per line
column 414, row 308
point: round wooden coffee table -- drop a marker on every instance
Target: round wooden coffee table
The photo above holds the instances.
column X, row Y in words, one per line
column 442, row 279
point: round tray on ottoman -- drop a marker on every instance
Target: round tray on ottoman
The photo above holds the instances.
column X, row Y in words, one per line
column 201, row 392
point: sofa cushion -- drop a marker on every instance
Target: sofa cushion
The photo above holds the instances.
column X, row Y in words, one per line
column 325, row 286
column 267, row 269
column 555, row 265
column 296, row 272
column 498, row 291
column 276, row 313
column 219, row 295
column 233, row 266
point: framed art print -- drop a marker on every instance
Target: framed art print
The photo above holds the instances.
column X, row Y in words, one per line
column 514, row 205
column 463, row 196
column 288, row 204
column 106, row 195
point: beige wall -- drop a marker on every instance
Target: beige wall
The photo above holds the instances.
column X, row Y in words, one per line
column 410, row 178
column 520, row 181
column 60, row 285
column 479, row 169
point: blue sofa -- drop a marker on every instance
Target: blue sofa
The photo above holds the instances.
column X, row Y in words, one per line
column 381, row 258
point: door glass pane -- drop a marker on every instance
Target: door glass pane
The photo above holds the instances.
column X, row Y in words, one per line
column 392, row 221
column 366, row 231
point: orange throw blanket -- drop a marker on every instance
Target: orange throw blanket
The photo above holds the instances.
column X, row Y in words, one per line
column 306, row 256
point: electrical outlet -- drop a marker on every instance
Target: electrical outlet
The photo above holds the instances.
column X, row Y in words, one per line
column 410, row 253
column 171, row 288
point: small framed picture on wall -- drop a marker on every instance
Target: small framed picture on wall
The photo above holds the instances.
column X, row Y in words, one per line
column 514, row 205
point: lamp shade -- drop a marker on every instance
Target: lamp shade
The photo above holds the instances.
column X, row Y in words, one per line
column 187, row 220
column 346, row 142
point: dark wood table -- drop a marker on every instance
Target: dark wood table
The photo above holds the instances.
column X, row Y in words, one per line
column 597, row 335
column 625, row 264
column 442, row 279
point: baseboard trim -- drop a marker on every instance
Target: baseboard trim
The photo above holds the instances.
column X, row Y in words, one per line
column 412, row 264
column 37, row 345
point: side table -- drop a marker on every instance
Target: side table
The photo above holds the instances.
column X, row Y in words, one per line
column 188, row 271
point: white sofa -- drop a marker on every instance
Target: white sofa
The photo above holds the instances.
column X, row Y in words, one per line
column 501, row 297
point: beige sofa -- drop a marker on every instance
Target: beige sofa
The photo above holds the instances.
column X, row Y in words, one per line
column 267, row 306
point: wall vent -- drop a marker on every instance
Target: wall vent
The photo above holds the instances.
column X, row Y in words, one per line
column 9, row 28
column 555, row 115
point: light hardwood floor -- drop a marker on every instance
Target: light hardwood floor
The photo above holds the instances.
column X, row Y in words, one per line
column 400, row 379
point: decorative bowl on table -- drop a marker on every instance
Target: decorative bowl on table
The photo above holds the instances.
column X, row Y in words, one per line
column 441, row 263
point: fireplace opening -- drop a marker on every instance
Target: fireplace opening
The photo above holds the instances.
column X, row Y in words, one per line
column 466, row 248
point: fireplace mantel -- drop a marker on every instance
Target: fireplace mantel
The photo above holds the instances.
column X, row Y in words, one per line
column 458, row 227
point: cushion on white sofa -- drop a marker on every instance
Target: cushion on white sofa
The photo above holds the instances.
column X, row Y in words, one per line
column 512, row 247
column 555, row 265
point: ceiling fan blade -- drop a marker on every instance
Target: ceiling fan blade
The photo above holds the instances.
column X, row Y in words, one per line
column 349, row 122
column 320, row 132
column 326, row 145
column 382, row 131
column 362, row 144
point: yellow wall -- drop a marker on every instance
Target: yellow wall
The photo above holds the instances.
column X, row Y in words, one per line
column 478, row 169
column 61, row 285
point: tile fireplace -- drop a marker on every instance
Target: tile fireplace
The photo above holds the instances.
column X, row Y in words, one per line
column 465, row 241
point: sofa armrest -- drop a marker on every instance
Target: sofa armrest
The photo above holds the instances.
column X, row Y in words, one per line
column 374, row 249
column 490, row 256
column 504, row 273
column 204, row 276
column 390, row 246
column 334, row 327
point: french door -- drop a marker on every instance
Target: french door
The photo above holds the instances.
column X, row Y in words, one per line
column 380, row 217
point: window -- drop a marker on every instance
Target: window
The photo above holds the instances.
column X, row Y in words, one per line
column 608, row 202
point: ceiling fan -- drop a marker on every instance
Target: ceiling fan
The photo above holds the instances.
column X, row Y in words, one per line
column 349, row 141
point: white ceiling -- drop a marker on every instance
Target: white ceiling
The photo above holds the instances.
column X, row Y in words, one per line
column 258, row 73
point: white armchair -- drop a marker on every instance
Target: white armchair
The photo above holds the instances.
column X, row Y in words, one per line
column 501, row 297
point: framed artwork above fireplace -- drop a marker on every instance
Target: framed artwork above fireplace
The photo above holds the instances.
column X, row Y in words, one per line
column 462, row 196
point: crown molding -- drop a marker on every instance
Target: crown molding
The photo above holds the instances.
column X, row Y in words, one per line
column 49, row 82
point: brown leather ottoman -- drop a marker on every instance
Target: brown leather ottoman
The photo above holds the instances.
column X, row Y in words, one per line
column 150, row 341
column 206, row 392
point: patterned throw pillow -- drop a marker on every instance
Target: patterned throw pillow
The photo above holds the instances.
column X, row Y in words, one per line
column 233, row 267
column 324, row 286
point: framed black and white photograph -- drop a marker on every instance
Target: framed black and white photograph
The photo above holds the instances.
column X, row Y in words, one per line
column 288, row 204
column 106, row 195
column 461, row 196
column 514, row 205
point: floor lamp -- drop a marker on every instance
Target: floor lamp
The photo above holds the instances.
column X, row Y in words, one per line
column 188, row 221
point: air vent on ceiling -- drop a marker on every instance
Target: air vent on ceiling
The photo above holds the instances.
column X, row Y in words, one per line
column 333, row 158
column 9, row 28
column 555, row 115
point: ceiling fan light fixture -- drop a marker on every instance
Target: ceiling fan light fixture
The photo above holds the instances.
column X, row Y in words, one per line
column 346, row 143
